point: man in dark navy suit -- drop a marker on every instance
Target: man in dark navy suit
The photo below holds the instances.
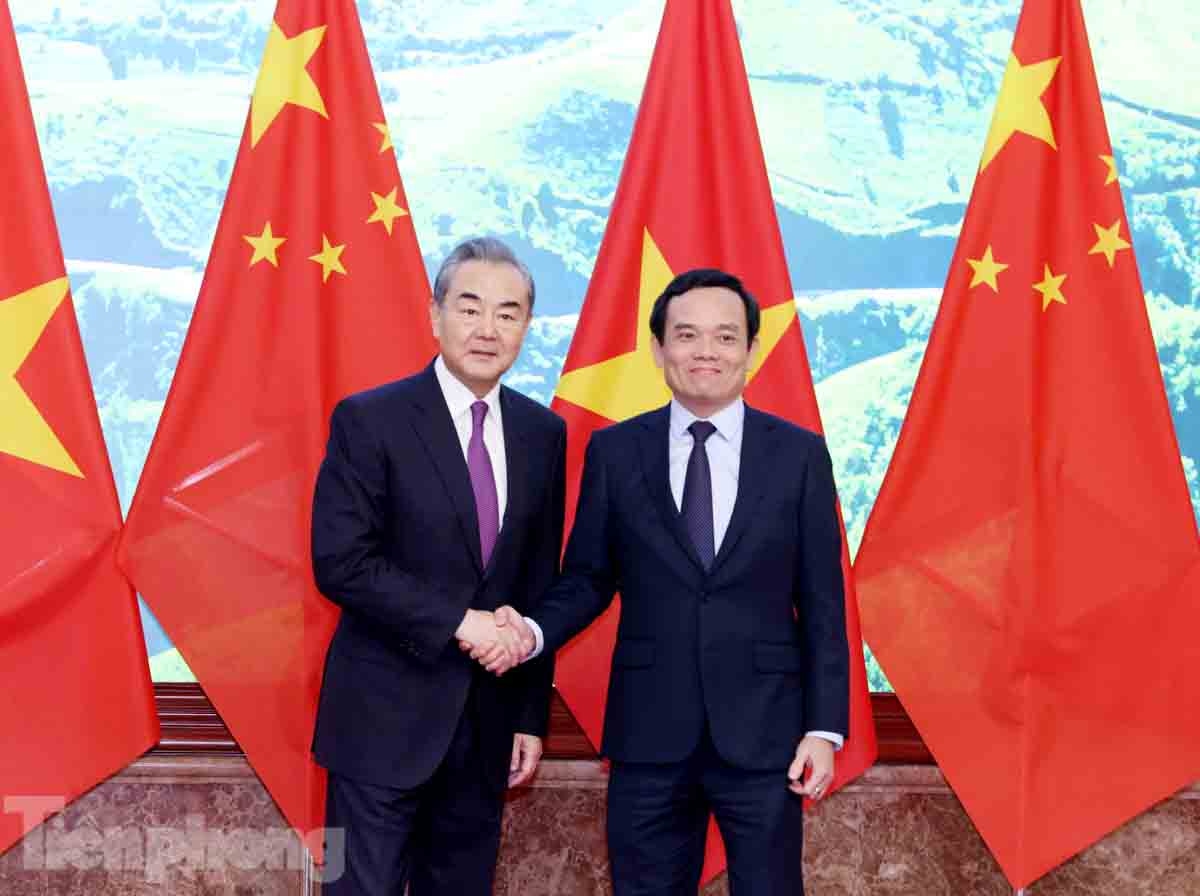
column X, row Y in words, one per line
column 440, row 499
column 729, row 691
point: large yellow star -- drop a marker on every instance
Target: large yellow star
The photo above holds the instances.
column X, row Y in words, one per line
column 1050, row 287
column 985, row 270
column 1019, row 107
column 24, row 432
column 284, row 79
column 329, row 258
column 382, row 127
column 265, row 246
column 1109, row 242
column 626, row 385
column 386, row 210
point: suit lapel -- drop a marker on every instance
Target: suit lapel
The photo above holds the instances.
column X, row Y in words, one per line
column 754, row 474
column 656, row 463
column 436, row 430
column 516, row 461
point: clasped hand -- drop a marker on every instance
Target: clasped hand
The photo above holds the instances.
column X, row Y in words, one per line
column 497, row 641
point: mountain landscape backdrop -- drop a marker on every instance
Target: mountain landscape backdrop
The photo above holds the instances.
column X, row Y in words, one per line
column 512, row 117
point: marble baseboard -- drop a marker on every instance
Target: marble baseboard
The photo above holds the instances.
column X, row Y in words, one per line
column 179, row 825
column 553, row 835
column 898, row 830
column 192, row 826
column 1156, row 853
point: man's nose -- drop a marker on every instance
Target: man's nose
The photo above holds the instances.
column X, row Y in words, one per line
column 486, row 328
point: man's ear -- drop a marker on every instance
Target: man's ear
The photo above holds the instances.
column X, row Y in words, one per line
column 656, row 350
column 435, row 319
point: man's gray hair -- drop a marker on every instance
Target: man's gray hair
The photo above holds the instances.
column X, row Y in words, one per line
column 480, row 248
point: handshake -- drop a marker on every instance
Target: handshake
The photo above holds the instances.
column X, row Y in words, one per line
column 497, row 641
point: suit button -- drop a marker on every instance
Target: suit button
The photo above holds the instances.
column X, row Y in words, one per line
column 704, row 595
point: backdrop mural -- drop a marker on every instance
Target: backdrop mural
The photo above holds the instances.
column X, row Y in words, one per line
column 512, row 117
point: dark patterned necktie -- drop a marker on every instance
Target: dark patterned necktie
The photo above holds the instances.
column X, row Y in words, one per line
column 696, row 508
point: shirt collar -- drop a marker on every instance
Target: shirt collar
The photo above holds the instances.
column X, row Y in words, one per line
column 728, row 421
column 458, row 397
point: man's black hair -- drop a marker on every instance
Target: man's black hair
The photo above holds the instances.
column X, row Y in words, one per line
column 697, row 279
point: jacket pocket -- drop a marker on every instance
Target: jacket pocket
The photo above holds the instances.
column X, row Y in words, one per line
column 770, row 657
column 634, row 653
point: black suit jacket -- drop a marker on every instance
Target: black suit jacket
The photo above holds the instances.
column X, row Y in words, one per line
column 756, row 647
column 395, row 544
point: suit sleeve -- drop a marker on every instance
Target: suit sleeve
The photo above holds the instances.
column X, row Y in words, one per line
column 589, row 578
column 350, row 564
column 820, row 599
column 536, row 677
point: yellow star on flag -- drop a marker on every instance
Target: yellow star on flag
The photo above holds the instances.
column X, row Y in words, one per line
column 1050, row 287
column 25, row 432
column 629, row 384
column 265, row 246
column 1111, row 176
column 1019, row 107
column 985, row 270
column 382, row 127
column 284, row 79
column 386, row 210
column 329, row 258
column 1109, row 242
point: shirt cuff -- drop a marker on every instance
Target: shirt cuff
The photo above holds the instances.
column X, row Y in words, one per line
column 539, row 640
column 836, row 739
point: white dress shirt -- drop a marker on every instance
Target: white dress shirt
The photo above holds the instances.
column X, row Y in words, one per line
column 724, row 448
column 459, row 400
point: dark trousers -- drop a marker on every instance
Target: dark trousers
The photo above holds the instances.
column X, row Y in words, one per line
column 440, row 838
column 658, row 819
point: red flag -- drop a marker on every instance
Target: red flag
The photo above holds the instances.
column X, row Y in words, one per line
column 1029, row 573
column 76, row 704
column 315, row 288
column 693, row 193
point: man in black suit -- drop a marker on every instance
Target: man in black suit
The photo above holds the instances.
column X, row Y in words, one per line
column 717, row 523
column 440, row 498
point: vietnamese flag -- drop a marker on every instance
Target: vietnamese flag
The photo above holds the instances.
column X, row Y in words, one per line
column 693, row 193
column 76, row 703
column 315, row 288
column 1030, row 572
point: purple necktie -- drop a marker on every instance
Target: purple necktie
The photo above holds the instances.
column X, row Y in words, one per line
column 483, row 483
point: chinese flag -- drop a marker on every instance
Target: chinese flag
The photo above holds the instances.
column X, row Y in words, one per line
column 1029, row 575
column 693, row 193
column 76, row 704
column 315, row 288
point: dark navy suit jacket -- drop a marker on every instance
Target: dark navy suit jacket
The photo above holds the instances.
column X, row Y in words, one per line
column 395, row 544
column 756, row 647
